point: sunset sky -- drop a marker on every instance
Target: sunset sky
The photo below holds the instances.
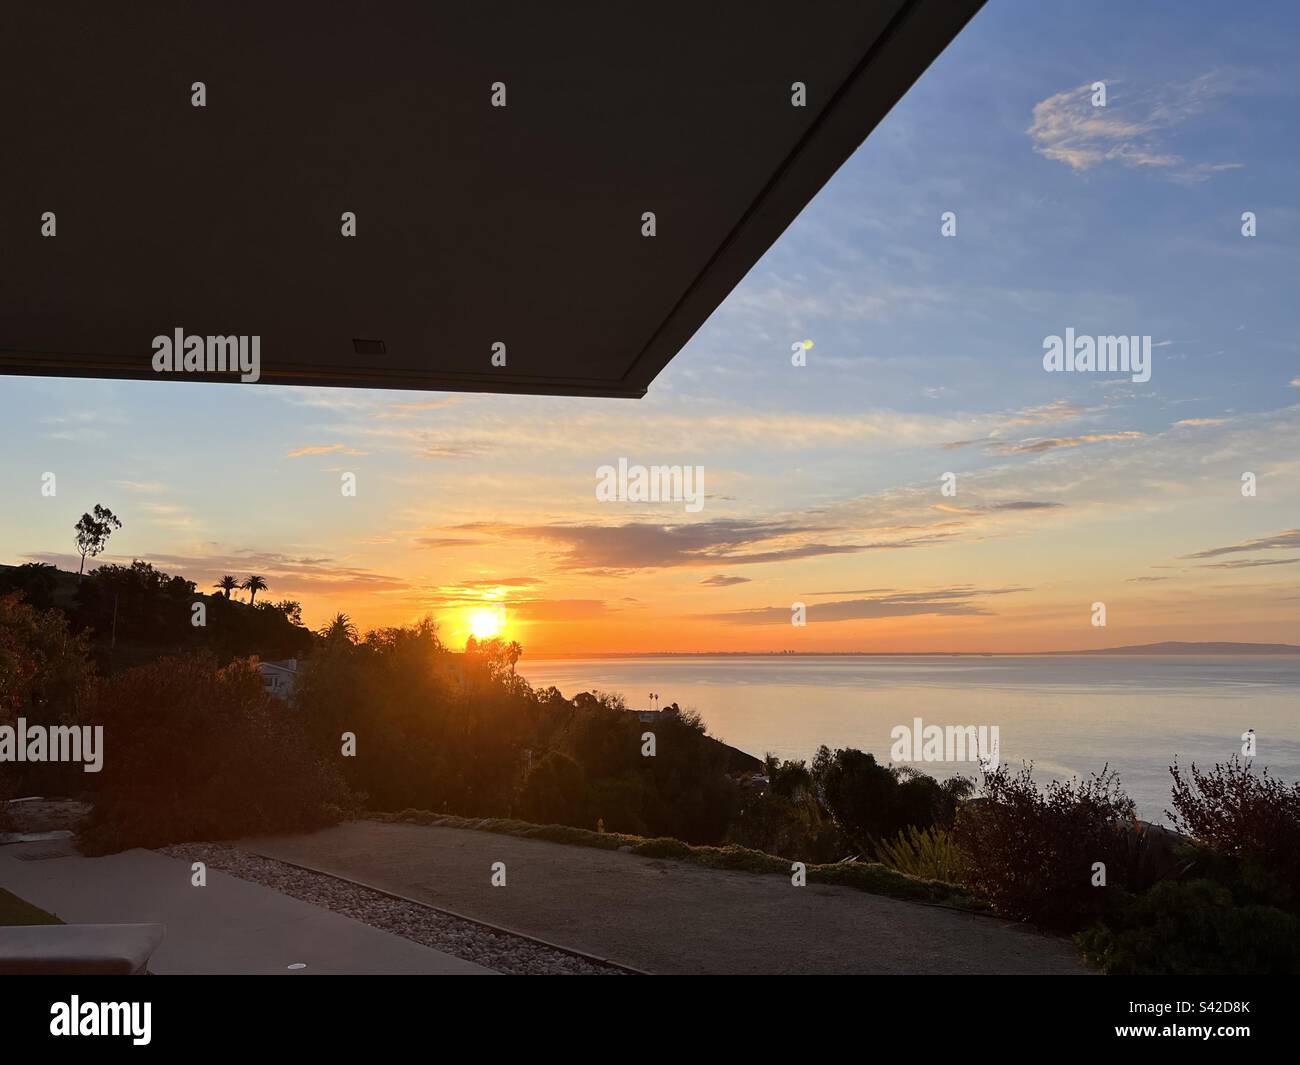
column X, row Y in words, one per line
column 823, row 481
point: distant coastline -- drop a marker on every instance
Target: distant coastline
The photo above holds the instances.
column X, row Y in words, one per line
column 1169, row 647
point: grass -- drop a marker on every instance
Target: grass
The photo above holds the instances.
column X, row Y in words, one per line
column 865, row 876
column 14, row 910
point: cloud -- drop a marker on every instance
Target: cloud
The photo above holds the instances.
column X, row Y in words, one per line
column 283, row 573
column 1024, row 504
column 322, row 449
column 172, row 515
column 452, row 451
column 1037, row 446
column 558, row 609
column 720, row 581
column 445, row 541
column 143, row 487
column 1281, row 541
column 618, row 549
column 957, row 602
column 1250, row 563
column 1129, row 131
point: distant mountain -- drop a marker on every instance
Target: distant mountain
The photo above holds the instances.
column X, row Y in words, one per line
column 1173, row 647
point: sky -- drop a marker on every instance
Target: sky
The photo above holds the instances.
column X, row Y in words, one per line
column 824, row 483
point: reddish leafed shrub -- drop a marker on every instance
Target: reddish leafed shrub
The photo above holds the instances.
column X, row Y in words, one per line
column 1252, row 818
column 1031, row 851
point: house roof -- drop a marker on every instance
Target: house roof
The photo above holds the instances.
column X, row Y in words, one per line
column 475, row 224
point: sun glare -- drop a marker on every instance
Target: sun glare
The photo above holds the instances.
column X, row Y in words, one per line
column 486, row 623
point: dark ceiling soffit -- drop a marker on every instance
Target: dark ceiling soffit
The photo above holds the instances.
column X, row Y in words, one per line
column 910, row 43
column 109, row 367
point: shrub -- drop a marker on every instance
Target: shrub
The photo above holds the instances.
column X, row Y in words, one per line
column 661, row 847
column 45, row 677
column 193, row 752
column 930, row 853
column 1031, row 852
column 1251, row 819
column 1194, row 927
column 870, row 802
column 555, row 792
column 793, row 828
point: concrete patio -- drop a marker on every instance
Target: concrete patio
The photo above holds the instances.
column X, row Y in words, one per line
column 229, row 926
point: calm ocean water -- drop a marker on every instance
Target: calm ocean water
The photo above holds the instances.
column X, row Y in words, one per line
column 1067, row 714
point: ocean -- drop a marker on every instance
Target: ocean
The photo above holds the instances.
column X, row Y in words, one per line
column 1067, row 715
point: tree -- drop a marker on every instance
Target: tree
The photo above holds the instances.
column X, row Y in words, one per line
column 36, row 581
column 252, row 585
column 339, row 629
column 291, row 609
column 227, row 584
column 93, row 531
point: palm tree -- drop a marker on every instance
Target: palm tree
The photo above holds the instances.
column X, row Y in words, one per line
column 227, row 584
column 252, row 585
column 340, row 627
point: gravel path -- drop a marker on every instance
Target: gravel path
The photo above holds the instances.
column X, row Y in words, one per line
column 499, row 951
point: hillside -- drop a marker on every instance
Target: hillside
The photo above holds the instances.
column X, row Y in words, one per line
column 1174, row 647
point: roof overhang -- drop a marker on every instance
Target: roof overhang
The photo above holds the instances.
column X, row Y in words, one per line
column 476, row 225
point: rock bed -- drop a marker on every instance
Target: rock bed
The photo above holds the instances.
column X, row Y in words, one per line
column 500, row 951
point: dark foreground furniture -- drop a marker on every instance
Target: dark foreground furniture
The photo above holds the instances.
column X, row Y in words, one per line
column 78, row 949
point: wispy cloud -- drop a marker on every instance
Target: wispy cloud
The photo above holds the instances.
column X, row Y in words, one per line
column 323, row 449
column 617, row 549
column 959, row 602
column 1130, row 131
column 1037, row 445
column 1282, row 541
column 1251, row 563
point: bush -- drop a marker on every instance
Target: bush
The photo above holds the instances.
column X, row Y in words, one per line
column 1031, row 853
column 661, row 847
column 45, row 677
column 930, row 853
column 193, row 752
column 1251, row 820
column 870, row 802
column 1194, row 928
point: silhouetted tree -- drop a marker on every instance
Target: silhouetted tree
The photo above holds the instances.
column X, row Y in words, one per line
column 227, row 584
column 93, row 531
column 252, row 585
column 339, row 629
column 35, row 580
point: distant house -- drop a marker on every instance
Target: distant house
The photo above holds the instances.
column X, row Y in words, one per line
column 279, row 678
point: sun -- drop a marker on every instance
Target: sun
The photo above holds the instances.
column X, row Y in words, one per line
column 487, row 622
